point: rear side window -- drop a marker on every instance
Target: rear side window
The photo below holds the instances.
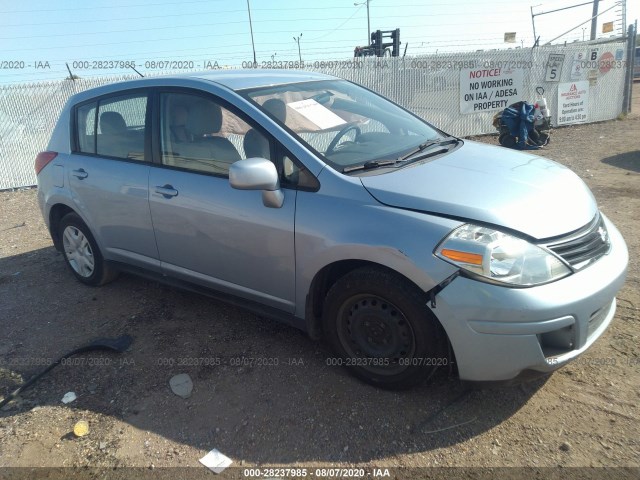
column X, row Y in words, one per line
column 121, row 125
column 113, row 127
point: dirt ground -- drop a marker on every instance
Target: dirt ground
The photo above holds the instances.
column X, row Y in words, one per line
column 291, row 409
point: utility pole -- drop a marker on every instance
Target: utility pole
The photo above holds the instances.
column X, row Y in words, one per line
column 533, row 22
column 297, row 40
column 594, row 19
column 253, row 45
column 368, row 19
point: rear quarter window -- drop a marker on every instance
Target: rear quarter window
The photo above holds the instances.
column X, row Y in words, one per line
column 86, row 127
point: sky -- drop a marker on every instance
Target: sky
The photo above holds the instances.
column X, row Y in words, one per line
column 38, row 37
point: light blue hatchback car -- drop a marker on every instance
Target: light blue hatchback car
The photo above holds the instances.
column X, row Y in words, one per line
column 315, row 201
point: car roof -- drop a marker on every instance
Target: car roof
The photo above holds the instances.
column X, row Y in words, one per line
column 241, row 79
column 232, row 79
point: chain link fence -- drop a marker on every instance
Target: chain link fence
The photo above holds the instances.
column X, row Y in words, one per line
column 457, row 92
column 433, row 86
column 28, row 114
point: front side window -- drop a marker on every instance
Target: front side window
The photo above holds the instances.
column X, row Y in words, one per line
column 199, row 134
column 346, row 124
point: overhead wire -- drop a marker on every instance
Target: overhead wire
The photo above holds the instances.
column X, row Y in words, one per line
column 120, row 6
column 427, row 44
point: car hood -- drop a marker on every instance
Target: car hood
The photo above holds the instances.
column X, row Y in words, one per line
column 518, row 191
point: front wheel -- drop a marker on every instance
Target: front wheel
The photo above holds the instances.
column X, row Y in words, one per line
column 82, row 254
column 380, row 327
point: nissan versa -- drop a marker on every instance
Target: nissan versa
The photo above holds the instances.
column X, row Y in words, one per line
column 316, row 201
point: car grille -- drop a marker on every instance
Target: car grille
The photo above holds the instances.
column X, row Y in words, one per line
column 584, row 246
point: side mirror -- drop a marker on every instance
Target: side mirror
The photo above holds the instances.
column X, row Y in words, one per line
column 257, row 174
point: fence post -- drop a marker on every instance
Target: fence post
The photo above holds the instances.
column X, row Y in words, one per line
column 628, row 79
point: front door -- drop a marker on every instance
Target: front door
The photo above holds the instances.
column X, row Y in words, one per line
column 207, row 232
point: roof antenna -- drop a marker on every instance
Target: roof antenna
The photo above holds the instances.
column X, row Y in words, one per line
column 134, row 69
column 71, row 75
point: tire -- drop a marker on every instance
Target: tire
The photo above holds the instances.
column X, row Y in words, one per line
column 545, row 138
column 381, row 329
column 81, row 252
column 507, row 140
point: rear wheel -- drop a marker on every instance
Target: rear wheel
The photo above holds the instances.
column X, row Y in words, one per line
column 380, row 327
column 81, row 252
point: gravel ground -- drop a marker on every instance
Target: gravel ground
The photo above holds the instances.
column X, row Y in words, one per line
column 291, row 409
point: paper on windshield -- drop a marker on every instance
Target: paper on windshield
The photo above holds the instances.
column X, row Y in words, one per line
column 317, row 114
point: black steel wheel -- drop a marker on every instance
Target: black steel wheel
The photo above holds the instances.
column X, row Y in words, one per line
column 372, row 327
column 381, row 329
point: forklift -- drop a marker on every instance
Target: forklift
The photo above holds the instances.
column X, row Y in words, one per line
column 378, row 47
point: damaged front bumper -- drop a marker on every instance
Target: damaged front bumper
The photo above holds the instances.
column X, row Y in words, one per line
column 499, row 333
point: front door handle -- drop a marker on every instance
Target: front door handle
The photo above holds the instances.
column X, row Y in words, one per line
column 80, row 173
column 167, row 191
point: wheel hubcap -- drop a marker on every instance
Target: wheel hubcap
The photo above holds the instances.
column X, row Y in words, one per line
column 78, row 251
column 373, row 328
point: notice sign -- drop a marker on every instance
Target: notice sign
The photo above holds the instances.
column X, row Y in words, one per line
column 484, row 90
column 573, row 102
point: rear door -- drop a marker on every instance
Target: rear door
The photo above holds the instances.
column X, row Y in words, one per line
column 207, row 232
column 109, row 175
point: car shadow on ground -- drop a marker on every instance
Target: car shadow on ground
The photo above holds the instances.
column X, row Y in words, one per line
column 629, row 161
column 263, row 392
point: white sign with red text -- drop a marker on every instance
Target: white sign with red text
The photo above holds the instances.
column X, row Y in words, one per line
column 489, row 89
column 573, row 102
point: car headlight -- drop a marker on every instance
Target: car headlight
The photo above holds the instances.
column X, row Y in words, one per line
column 499, row 257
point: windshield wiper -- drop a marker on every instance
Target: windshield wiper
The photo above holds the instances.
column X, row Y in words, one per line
column 371, row 164
column 424, row 146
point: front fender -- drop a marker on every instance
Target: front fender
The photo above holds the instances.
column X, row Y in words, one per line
column 330, row 229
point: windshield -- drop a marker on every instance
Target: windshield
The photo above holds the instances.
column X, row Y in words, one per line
column 346, row 124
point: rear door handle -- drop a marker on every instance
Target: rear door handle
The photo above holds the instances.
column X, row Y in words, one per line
column 81, row 174
column 167, row 191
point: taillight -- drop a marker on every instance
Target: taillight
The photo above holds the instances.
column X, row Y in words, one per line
column 43, row 159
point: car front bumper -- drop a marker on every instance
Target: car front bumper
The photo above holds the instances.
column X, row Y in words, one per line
column 497, row 333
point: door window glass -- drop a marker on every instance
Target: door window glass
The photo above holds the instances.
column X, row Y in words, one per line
column 121, row 127
column 201, row 135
